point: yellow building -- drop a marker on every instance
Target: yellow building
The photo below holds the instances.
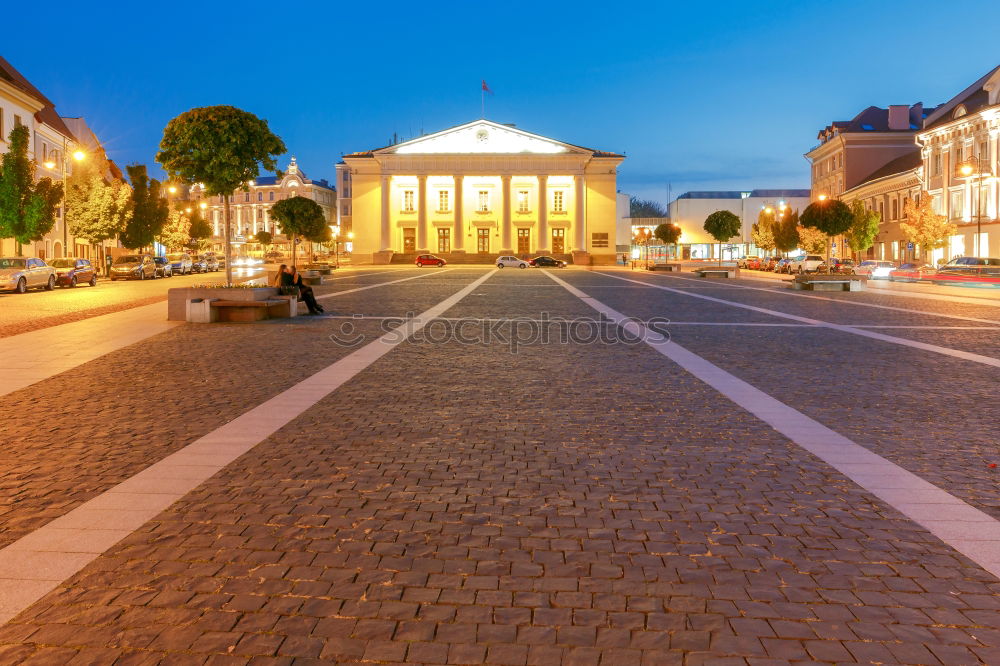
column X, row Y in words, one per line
column 482, row 189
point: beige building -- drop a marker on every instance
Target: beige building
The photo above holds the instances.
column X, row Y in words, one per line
column 249, row 210
column 481, row 188
column 886, row 191
column 851, row 150
column 960, row 148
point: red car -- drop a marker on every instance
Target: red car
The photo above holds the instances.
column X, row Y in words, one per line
column 429, row 260
column 70, row 272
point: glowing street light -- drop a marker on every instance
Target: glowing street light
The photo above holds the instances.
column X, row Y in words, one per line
column 822, row 197
column 78, row 155
column 203, row 205
column 172, row 189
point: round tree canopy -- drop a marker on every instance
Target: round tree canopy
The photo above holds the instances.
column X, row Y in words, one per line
column 832, row 217
column 723, row 225
column 668, row 233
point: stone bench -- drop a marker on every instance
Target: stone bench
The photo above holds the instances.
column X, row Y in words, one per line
column 829, row 282
column 210, row 310
column 717, row 272
column 666, row 267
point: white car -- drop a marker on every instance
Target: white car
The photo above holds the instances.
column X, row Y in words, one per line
column 876, row 270
column 514, row 262
column 806, row 263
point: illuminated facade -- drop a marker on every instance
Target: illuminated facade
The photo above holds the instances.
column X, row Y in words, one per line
column 965, row 132
column 481, row 188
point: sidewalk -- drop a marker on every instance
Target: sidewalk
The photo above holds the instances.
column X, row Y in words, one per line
column 37, row 355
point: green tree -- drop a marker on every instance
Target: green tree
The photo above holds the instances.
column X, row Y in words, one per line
column 27, row 207
column 668, row 234
column 813, row 241
column 722, row 225
column 265, row 238
column 299, row 216
column 762, row 231
column 646, row 208
column 786, row 231
column 150, row 211
column 96, row 210
column 832, row 217
column 923, row 226
column 864, row 228
column 199, row 229
column 221, row 147
column 174, row 234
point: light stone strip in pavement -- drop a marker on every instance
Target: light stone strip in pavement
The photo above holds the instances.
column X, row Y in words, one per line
column 38, row 562
column 965, row 528
column 937, row 349
column 380, row 284
column 38, row 355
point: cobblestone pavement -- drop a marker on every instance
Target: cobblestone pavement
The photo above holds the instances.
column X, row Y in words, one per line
column 568, row 503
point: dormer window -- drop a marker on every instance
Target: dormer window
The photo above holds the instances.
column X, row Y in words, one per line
column 960, row 111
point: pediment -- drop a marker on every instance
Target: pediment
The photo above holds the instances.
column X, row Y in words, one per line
column 483, row 137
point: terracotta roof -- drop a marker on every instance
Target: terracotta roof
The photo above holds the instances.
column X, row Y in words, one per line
column 48, row 113
column 875, row 119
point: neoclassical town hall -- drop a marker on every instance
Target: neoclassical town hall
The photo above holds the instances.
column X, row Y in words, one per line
column 483, row 188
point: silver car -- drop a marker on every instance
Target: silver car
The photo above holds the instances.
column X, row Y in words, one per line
column 508, row 260
column 18, row 274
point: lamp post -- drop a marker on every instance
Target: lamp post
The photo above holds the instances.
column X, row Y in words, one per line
column 50, row 164
column 973, row 168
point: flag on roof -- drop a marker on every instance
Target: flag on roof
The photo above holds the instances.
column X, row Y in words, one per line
column 486, row 88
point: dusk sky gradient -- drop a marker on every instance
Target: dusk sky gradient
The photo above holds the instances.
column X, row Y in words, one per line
column 725, row 95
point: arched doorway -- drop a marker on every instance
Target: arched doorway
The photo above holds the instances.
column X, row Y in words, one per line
column 57, row 250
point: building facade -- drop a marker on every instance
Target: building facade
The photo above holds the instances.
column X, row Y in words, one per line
column 960, row 150
column 249, row 210
column 51, row 145
column 481, row 188
column 689, row 210
column 851, row 150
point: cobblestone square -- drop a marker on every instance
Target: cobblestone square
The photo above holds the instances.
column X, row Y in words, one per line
column 481, row 466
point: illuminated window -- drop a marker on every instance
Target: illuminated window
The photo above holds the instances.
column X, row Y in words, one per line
column 557, row 201
column 407, row 201
column 522, row 201
column 936, row 165
column 443, row 201
column 260, row 196
column 270, row 196
column 484, row 201
column 246, row 197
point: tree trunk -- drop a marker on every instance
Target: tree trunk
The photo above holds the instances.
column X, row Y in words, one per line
column 229, row 259
column 294, row 251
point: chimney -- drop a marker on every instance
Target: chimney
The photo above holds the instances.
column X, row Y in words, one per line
column 899, row 116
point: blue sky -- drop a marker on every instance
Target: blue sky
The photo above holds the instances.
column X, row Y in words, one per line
column 724, row 95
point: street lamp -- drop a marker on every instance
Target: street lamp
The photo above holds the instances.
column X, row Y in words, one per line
column 50, row 164
column 822, row 197
column 973, row 168
column 642, row 236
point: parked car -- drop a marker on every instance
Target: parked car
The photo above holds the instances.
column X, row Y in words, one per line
column 211, row 262
column 969, row 270
column 509, row 260
column 220, row 260
column 180, row 263
column 769, row 264
column 756, row 263
column 805, row 263
column 273, row 255
column 429, row 260
column 875, row 269
column 745, row 262
column 19, row 274
column 911, row 273
column 837, row 267
column 782, row 266
column 133, row 267
column 163, row 267
column 197, row 264
column 70, row 272
column 546, row 260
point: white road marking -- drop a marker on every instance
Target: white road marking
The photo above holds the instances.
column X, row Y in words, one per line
column 965, row 528
column 35, row 564
column 937, row 349
column 380, row 284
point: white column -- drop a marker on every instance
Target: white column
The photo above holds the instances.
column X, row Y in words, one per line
column 581, row 212
column 544, row 241
column 507, row 232
column 422, row 213
column 458, row 242
column 385, row 242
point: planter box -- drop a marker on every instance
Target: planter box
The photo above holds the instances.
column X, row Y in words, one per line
column 177, row 299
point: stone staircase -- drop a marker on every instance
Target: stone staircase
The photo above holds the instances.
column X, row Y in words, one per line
column 466, row 257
